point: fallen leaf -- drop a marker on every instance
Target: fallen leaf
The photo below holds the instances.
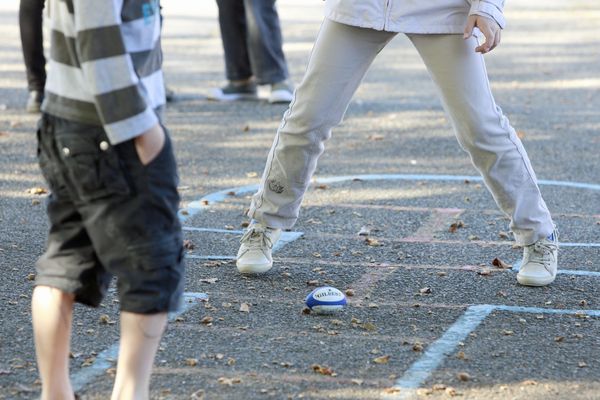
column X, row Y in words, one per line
column 582, row 364
column 425, row 290
column 198, row 395
column 507, row 332
column 372, row 242
column 191, row 362
column 188, row 244
column 417, row 347
column 323, row 370
column 484, row 272
column 209, row 280
column 251, row 174
column 463, row 376
column 455, row 226
column 357, row 381
column 391, row 390
column 322, row 187
column 450, row 391
column 461, row 355
column 521, row 134
column 503, row 235
column 37, row 191
column 246, row 128
column 381, row 360
column 313, row 282
column 439, row 387
column 231, row 361
column 498, row 263
column 376, row 137
column 368, row 326
column 349, row 292
column 245, row 307
column 559, row 339
column 529, row 382
column 3, row 134
column 473, row 237
column 206, row 320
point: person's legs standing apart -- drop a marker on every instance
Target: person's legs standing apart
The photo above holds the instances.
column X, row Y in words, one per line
column 265, row 47
column 496, row 151
column 238, row 69
column 340, row 58
column 32, row 43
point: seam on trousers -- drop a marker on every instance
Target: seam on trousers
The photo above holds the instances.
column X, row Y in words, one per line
column 260, row 200
column 508, row 131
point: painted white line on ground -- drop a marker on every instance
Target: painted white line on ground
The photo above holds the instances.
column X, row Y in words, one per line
column 108, row 357
column 212, row 230
column 437, row 352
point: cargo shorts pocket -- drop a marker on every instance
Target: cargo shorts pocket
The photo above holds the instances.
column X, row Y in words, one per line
column 93, row 166
column 47, row 167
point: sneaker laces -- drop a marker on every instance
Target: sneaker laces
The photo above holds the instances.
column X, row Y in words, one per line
column 542, row 251
column 256, row 237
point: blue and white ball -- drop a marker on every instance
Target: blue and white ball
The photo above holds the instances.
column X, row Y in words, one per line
column 325, row 300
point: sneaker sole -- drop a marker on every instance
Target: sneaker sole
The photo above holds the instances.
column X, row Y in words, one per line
column 220, row 96
column 527, row 281
column 250, row 269
column 280, row 96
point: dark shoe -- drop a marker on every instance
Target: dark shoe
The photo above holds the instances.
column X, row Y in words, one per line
column 233, row 92
column 169, row 94
column 34, row 102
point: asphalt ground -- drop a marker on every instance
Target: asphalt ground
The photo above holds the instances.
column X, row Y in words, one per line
column 452, row 324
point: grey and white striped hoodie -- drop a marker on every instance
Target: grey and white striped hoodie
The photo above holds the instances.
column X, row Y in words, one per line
column 105, row 65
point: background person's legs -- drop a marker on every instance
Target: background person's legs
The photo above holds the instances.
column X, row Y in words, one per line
column 32, row 44
column 232, row 21
column 264, row 42
column 52, row 311
column 340, row 58
column 485, row 133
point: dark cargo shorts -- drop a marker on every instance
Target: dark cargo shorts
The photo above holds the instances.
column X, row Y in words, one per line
column 110, row 215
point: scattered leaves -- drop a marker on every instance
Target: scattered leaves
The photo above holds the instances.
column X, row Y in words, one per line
column 498, row 263
column 382, row 359
column 417, row 346
column 323, row 370
column 191, row 362
column 372, row 242
column 463, row 376
column 455, row 226
column 37, row 191
column 245, row 307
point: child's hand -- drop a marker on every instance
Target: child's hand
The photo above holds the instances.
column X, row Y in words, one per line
column 490, row 29
column 150, row 143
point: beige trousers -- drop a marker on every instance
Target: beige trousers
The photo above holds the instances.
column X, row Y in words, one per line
column 340, row 58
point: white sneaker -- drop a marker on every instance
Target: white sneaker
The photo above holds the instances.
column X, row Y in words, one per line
column 281, row 92
column 540, row 262
column 254, row 255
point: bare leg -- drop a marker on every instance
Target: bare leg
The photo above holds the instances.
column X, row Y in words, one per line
column 140, row 337
column 52, row 312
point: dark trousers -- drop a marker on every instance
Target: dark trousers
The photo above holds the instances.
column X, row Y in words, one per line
column 32, row 42
column 252, row 40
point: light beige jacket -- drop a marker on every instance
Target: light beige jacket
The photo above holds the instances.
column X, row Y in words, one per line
column 412, row 16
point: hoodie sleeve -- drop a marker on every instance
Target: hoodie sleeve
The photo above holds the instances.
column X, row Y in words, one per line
column 489, row 8
column 108, row 70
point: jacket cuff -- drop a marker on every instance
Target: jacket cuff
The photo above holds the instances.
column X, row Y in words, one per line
column 489, row 8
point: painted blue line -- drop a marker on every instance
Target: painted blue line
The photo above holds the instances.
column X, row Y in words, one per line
column 540, row 310
column 436, row 352
column 212, row 230
column 107, row 358
column 516, row 266
column 573, row 244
